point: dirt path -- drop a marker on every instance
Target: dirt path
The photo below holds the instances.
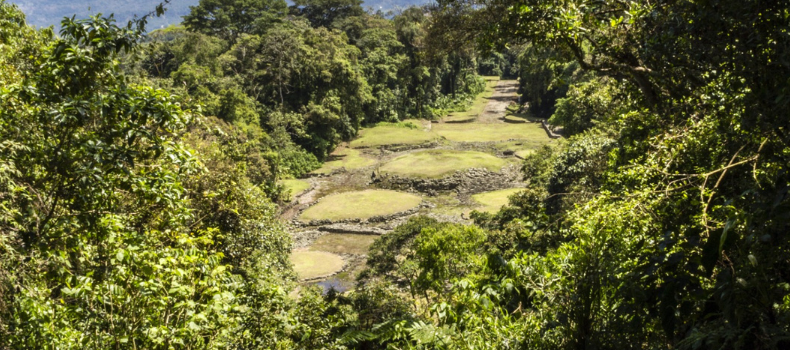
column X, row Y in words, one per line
column 505, row 93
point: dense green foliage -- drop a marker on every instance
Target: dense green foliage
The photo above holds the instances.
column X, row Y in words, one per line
column 44, row 13
column 137, row 177
column 661, row 223
column 299, row 85
column 133, row 217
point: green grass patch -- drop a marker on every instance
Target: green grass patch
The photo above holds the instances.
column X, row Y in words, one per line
column 344, row 243
column 360, row 205
column 348, row 158
column 493, row 201
column 479, row 104
column 440, row 163
column 474, row 132
column 295, row 186
column 389, row 134
column 311, row 264
column 524, row 153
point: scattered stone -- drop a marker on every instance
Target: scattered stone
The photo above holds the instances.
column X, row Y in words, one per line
column 473, row 180
column 304, row 239
column 350, row 228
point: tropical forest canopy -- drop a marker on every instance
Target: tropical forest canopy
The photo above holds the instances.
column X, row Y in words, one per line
column 140, row 176
column 44, row 13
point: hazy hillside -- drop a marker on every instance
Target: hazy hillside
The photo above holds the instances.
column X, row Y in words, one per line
column 43, row 13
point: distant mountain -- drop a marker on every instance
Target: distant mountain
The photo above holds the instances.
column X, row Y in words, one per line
column 43, row 13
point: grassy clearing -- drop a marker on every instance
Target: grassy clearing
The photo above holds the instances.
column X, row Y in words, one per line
column 493, row 201
column 360, row 205
column 479, row 104
column 295, row 186
column 344, row 243
column 347, row 158
column 474, row 132
column 440, row 163
column 311, row 264
column 392, row 135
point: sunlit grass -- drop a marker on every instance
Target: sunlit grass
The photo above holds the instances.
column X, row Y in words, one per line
column 477, row 132
column 312, row 264
column 392, row 135
column 360, row 205
column 440, row 163
column 493, row 201
column 295, row 186
column 347, row 158
column 344, row 243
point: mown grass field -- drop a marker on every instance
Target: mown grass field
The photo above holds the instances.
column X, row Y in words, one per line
column 313, row 264
column 344, row 243
column 392, row 135
column 295, row 186
column 474, row 132
column 440, row 163
column 347, row 158
column 492, row 201
column 360, row 205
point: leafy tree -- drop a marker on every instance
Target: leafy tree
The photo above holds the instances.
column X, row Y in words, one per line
column 696, row 143
column 323, row 13
column 96, row 222
column 228, row 19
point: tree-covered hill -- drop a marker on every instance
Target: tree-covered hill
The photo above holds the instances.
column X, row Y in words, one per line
column 139, row 176
column 43, row 13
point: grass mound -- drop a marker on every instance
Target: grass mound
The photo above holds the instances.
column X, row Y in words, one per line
column 474, row 132
column 493, row 201
column 344, row 243
column 295, row 186
column 390, row 134
column 440, row 163
column 310, row 264
column 347, row 158
column 360, row 205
